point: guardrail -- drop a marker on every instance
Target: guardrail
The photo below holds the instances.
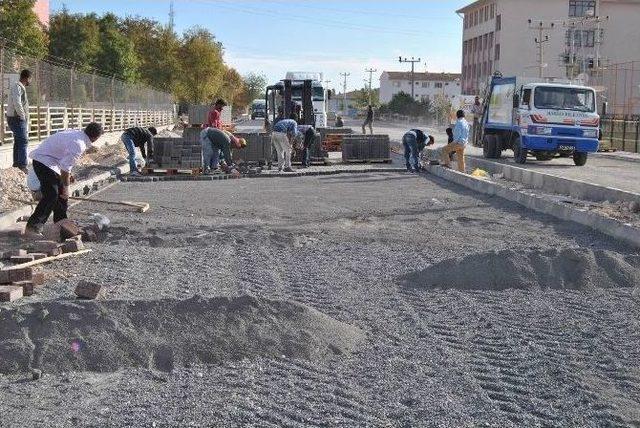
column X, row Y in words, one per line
column 621, row 133
column 47, row 120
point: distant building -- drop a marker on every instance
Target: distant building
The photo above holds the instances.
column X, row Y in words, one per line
column 41, row 8
column 427, row 86
column 497, row 37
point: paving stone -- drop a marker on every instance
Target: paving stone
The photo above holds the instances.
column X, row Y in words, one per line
column 28, row 287
column 89, row 290
column 38, row 256
column 68, row 229
column 72, row 246
column 22, row 259
column 44, row 246
column 13, row 253
column 9, row 293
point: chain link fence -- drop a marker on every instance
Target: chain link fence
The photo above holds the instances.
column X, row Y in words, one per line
column 62, row 97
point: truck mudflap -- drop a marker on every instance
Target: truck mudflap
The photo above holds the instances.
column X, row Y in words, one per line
column 554, row 144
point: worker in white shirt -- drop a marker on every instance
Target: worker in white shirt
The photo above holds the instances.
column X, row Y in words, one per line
column 52, row 163
column 18, row 119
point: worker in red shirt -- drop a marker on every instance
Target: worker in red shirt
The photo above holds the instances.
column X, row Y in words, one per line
column 214, row 119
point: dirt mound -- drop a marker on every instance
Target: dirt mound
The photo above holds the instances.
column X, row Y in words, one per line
column 161, row 334
column 558, row 269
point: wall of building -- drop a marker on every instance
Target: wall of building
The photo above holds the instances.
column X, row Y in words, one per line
column 423, row 88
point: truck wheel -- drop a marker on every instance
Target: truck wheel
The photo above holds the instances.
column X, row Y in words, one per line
column 519, row 153
column 580, row 158
column 489, row 146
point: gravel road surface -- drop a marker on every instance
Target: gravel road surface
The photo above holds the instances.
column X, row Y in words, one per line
column 359, row 249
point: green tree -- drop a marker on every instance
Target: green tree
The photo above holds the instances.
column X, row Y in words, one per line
column 402, row 103
column 362, row 97
column 117, row 54
column 201, row 67
column 19, row 25
column 75, row 37
column 255, row 85
column 233, row 89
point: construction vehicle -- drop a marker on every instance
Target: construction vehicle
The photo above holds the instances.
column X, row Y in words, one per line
column 538, row 118
column 280, row 103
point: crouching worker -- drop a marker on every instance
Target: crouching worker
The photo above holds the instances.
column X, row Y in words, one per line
column 52, row 163
column 414, row 141
column 307, row 145
column 285, row 134
column 141, row 138
column 459, row 143
column 213, row 142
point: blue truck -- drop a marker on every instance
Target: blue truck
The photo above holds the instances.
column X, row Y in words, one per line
column 539, row 119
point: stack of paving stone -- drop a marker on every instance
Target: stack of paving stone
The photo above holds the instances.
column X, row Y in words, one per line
column 179, row 153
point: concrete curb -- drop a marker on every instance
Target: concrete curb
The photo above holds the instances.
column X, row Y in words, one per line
column 81, row 188
column 156, row 178
column 608, row 226
column 554, row 184
column 610, row 155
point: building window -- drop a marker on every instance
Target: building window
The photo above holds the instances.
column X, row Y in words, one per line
column 485, row 41
column 425, row 84
column 498, row 22
column 493, row 10
column 486, row 13
column 581, row 38
column 497, row 55
column 475, row 18
column 438, row 85
column 491, row 39
column 581, row 8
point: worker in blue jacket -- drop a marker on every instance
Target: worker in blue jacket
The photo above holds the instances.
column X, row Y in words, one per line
column 414, row 141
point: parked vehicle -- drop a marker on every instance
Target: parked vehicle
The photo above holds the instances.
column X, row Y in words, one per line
column 258, row 109
column 540, row 119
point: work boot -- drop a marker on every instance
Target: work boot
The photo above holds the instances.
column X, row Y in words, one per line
column 288, row 169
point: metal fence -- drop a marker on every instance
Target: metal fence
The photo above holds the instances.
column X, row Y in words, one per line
column 621, row 133
column 62, row 97
column 619, row 86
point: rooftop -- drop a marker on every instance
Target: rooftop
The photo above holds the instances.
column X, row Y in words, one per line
column 406, row 75
column 471, row 6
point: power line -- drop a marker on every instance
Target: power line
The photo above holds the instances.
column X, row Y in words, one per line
column 541, row 40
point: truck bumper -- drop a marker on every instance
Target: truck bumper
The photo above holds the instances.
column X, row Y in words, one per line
column 552, row 144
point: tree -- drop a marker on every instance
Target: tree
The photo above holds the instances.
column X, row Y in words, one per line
column 362, row 97
column 232, row 89
column 255, row 85
column 201, row 67
column 117, row 53
column 75, row 37
column 20, row 26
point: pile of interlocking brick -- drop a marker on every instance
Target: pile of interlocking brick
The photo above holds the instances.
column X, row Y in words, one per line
column 178, row 153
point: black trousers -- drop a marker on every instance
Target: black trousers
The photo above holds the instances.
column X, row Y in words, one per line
column 50, row 186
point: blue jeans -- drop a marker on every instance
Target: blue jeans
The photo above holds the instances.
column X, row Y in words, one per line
column 210, row 155
column 20, row 140
column 410, row 143
column 131, row 149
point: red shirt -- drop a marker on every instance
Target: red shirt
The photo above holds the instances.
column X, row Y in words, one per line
column 214, row 119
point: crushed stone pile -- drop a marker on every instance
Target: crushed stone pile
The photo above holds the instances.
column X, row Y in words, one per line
column 13, row 185
column 160, row 334
column 556, row 269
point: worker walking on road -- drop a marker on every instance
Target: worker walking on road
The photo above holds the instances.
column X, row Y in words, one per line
column 460, row 141
column 52, row 163
column 368, row 121
column 414, row 141
column 18, row 119
column 141, row 138
column 285, row 134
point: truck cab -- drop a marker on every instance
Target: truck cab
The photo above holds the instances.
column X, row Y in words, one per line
column 540, row 119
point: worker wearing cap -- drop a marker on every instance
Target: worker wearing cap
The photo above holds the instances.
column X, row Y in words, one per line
column 215, row 141
column 285, row 134
column 52, row 163
column 414, row 141
column 214, row 119
column 141, row 138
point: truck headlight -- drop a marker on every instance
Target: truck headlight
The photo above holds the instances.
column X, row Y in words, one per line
column 540, row 130
column 590, row 133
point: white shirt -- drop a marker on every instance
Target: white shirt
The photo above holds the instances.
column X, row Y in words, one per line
column 61, row 151
column 18, row 103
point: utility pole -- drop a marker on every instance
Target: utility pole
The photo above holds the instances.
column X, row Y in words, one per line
column 172, row 15
column 542, row 38
column 344, row 92
column 370, row 71
column 413, row 63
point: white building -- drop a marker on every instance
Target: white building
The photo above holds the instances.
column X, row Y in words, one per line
column 427, row 86
column 586, row 37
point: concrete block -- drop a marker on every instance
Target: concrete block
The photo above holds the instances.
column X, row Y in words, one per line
column 54, row 252
column 13, row 253
column 22, row 259
column 44, row 246
column 9, row 293
column 89, row 290
column 28, row 287
column 68, row 229
column 38, row 256
column 72, row 246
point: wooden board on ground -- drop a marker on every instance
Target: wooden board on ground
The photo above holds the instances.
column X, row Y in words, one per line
column 171, row 171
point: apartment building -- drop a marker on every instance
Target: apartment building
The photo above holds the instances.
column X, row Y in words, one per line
column 41, row 8
column 426, row 85
column 585, row 37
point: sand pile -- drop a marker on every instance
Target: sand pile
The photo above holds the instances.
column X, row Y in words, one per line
column 558, row 269
column 13, row 185
column 160, row 334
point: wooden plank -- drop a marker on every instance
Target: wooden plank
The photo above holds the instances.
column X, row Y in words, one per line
column 46, row 260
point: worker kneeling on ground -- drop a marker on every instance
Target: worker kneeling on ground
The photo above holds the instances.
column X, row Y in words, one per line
column 215, row 141
column 52, row 163
column 285, row 134
column 307, row 145
column 141, row 138
column 414, row 142
column 459, row 143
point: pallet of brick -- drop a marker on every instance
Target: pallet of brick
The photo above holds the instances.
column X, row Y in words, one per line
column 257, row 151
column 366, row 148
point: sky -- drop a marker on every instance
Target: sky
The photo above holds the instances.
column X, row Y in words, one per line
column 333, row 37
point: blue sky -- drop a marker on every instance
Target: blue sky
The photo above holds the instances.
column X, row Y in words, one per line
column 273, row 37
